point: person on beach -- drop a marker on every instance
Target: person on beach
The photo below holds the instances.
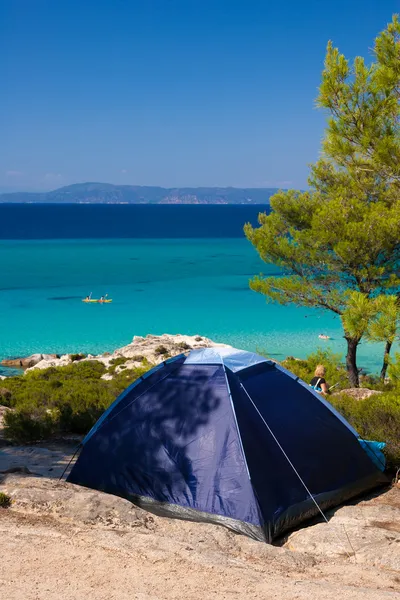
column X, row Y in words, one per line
column 318, row 381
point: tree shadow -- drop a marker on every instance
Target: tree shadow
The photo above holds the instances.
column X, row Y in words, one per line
column 158, row 441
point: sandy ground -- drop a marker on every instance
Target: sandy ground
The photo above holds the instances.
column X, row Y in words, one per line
column 62, row 541
column 46, row 560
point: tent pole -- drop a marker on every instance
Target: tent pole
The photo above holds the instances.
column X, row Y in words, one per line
column 236, row 423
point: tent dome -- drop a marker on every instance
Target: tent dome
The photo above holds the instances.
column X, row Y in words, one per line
column 226, row 436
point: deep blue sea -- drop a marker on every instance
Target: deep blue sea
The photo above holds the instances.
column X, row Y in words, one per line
column 168, row 269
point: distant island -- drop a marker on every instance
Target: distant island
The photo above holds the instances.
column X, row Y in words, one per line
column 107, row 193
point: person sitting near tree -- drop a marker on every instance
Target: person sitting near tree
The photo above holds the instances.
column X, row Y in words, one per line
column 318, row 381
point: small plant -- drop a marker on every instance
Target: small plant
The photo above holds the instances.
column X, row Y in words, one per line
column 5, row 500
column 26, row 426
column 160, row 350
column 120, row 360
column 5, row 396
column 198, row 338
column 76, row 357
column 116, row 362
column 183, row 346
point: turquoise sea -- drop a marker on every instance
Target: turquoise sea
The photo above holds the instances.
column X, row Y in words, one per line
column 180, row 285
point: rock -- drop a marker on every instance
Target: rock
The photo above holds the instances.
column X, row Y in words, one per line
column 2, row 377
column 3, row 411
column 130, row 364
column 26, row 362
column 359, row 393
column 52, row 361
column 78, row 531
column 47, row 462
column 141, row 348
column 150, row 346
column 369, row 530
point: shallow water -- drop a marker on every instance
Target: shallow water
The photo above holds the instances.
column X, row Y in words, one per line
column 191, row 286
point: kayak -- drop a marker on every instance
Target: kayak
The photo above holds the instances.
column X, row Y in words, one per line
column 98, row 301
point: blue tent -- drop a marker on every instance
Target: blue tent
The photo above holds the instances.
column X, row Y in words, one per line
column 228, row 437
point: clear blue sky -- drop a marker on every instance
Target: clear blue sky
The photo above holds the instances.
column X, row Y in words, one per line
column 169, row 92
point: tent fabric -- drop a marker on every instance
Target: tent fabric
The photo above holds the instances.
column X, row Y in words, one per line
column 233, row 359
column 193, row 440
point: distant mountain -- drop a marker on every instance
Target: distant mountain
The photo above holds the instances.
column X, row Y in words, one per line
column 106, row 193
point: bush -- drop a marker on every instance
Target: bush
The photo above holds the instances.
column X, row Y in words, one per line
column 76, row 357
column 120, row 360
column 5, row 500
column 375, row 418
column 183, row 346
column 27, row 426
column 335, row 370
column 61, row 399
column 115, row 362
column 394, row 369
column 160, row 350
column 5, row 397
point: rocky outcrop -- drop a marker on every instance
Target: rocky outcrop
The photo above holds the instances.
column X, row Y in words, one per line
column 152, row 348
column 359, row 393
column 155, row 348
column 26, row 362
column 92, row 544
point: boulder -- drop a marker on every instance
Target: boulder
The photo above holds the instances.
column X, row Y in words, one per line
column 369, row 531
column 153, row 348
column 359, row 393
column 51, row 361
column 74, row 526
column 26, row 362
column 156, row 348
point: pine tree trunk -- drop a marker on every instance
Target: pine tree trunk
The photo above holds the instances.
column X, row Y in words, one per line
column 351, row 361
column 388, row 347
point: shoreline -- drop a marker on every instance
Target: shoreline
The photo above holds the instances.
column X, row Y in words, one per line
column 151, row 348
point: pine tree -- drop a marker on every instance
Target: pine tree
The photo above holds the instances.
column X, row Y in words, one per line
column 343, row 234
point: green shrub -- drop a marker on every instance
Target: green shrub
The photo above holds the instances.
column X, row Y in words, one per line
column 5, row 500
column 375, row 418
column 120, row 360
column 27, row 426
column 182, row 346
column 115, row 362
column 76, row 357
column 394, row 369
column 335, row 370
column 5, row 397
column 160, row 350
column 61, row 399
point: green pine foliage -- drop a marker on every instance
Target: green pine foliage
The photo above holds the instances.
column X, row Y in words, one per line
column 343, row 235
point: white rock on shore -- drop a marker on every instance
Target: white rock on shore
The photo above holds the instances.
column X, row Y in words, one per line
column 153, row 348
